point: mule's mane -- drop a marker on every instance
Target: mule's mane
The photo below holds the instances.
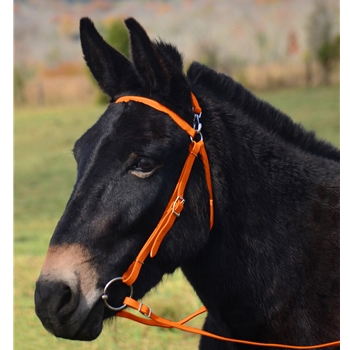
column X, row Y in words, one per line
column 230, row 94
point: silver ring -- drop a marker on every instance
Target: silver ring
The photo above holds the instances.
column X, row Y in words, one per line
column 105, row 295
column 198, row 133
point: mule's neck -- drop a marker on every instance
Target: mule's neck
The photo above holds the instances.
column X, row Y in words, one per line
column 230, row 96
column 264, row 192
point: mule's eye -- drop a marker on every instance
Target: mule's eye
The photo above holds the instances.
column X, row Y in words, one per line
column 145, row 165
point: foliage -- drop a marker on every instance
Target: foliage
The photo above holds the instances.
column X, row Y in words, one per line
column 21, row 74
column 329, row 51
column 117, row 36
column 324, row 38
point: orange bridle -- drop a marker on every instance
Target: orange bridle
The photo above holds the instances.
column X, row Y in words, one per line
column 171, row 213
column 177, row 201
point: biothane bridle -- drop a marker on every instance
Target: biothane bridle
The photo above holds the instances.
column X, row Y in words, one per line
column 171, row 213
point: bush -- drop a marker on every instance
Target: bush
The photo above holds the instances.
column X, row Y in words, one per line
column 117, row 36
column 324, row 38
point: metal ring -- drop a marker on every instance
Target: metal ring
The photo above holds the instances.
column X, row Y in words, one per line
column 105, row 295
column 198, row 133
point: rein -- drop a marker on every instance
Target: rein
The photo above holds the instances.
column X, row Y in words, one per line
column 171, row 213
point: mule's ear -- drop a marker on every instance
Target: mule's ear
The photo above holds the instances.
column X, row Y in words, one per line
column 113, row 71
column 152, row 66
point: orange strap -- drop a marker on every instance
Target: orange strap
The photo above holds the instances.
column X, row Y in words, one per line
column 176, row 202
column 154, row 320
column 159, row 107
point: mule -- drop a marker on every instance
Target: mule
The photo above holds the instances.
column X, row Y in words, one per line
column 268, row 269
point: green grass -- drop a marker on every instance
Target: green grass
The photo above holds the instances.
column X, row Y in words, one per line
column 316, row 108
column 44, row 170
column 44, row 177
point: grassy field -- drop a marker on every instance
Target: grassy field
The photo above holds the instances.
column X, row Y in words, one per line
column 44, row 177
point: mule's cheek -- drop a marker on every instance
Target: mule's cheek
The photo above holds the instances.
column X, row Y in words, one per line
column 67, row 299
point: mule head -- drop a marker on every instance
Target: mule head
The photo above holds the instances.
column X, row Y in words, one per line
column 128, row 164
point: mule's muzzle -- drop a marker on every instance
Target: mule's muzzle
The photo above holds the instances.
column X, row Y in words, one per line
column 64, row 311
column 67, row 297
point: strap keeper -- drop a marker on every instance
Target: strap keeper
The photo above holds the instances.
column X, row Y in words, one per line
column 145, row 313
column 182, row 201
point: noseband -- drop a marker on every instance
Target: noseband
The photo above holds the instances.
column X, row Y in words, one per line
column 171, row 213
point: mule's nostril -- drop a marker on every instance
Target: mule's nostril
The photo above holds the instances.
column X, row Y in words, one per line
column 55, row 298
column 66, row 297
column 68, row 302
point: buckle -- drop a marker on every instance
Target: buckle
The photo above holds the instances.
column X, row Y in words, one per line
column 144, row 313
column 175, row 206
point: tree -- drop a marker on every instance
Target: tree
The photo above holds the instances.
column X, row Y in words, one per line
column 324, row 38
column 118, row 36
column 21, row 75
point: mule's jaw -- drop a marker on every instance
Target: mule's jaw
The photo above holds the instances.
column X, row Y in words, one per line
column 92, row 327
